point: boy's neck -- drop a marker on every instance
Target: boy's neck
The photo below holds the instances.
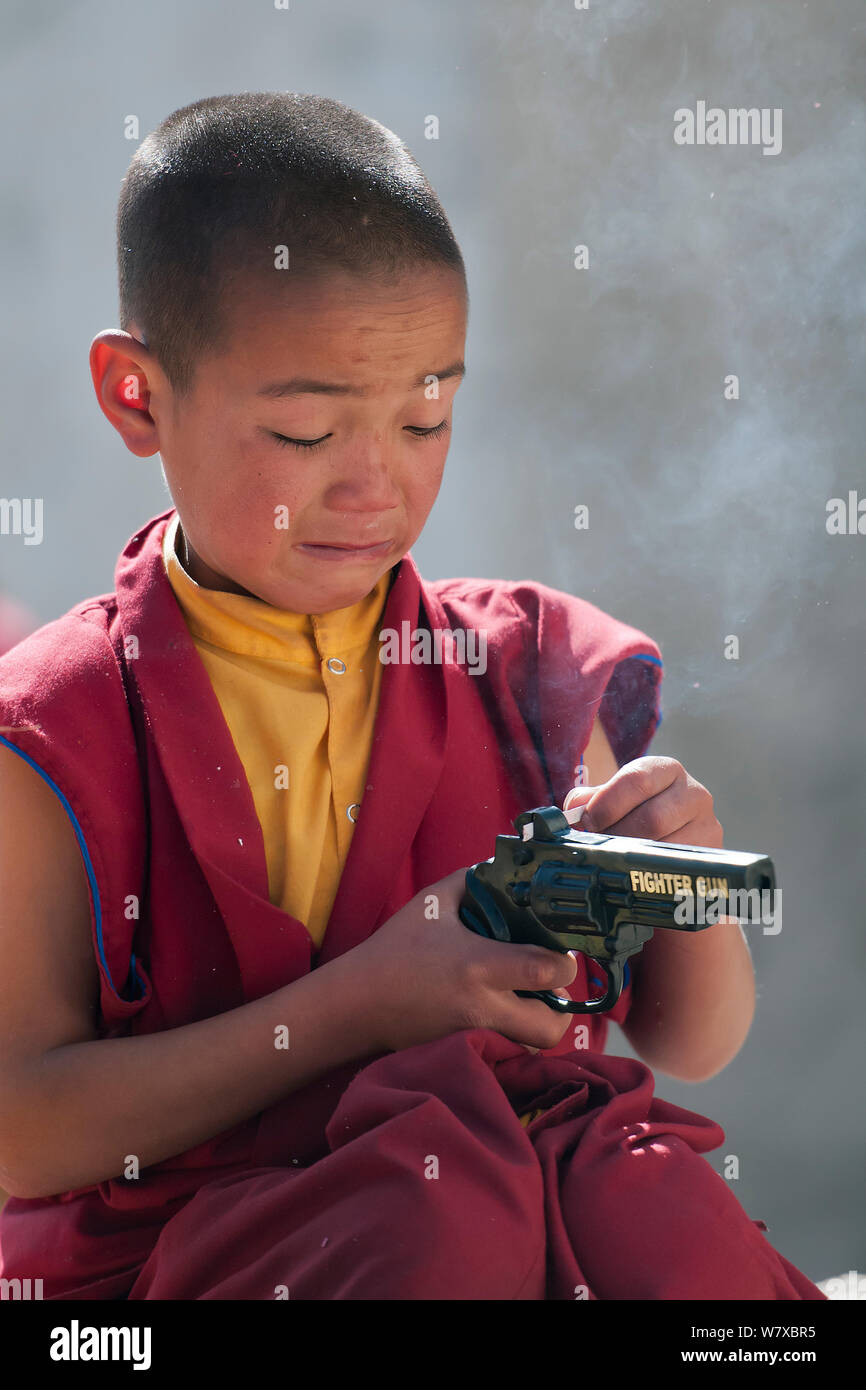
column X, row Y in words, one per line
column 197, row 569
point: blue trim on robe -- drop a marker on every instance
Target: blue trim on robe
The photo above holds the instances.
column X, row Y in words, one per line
column 88, row 863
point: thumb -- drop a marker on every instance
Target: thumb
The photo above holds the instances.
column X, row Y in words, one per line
column 578, row 796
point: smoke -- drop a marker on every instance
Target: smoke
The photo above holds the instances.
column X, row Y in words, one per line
column 707, row 514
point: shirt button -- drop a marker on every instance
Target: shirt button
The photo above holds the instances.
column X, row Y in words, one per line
column 336, row 665
column 355, row 806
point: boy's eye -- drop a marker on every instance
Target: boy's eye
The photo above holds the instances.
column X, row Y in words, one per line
column 417, row 430
column 300, row 443
column 432, row 433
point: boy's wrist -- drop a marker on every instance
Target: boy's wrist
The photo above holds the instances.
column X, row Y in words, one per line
column 354, row 1005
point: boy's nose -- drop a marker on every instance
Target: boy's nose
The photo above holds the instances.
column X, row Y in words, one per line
column 364, row 488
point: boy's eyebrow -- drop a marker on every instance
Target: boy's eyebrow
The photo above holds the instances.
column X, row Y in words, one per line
column 304, row 386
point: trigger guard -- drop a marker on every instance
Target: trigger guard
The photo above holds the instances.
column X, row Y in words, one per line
column 582, row 1006
column 571, row 1006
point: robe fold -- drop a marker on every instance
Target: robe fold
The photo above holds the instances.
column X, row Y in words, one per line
column 112, row 705
column 432, row 1190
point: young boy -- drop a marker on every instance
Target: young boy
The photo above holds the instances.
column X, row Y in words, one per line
column 254, row 1053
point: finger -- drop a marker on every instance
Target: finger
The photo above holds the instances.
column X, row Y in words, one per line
column 559, row 969
column 510, row 966
column 634, row 786
column 696, row 832
column 656, row 819
column 531, row 1022
column 652, row 822
column 578, row 796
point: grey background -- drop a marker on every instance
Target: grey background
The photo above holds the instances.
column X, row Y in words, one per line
column 707, row 517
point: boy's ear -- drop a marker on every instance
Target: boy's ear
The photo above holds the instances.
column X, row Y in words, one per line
column 122, row 369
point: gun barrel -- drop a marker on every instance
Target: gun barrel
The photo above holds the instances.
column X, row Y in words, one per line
column 665, row 870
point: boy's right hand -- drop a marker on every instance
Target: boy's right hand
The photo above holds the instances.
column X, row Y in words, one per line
column 430, row 976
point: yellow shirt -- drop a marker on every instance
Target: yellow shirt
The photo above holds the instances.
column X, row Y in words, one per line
column 299, row 693
column 302, row 726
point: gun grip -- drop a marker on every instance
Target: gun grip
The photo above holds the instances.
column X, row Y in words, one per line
column 480, row 912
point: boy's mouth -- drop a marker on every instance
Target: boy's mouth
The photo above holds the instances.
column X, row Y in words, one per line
column 346, row 552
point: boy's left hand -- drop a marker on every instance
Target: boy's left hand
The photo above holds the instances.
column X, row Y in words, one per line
column 652, row 798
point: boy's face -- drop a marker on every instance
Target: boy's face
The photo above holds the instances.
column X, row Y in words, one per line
column 267, row 518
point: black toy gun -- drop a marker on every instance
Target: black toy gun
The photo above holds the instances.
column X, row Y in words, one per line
column 602, row 895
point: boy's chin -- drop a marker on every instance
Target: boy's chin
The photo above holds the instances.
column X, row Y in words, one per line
column 326, row 594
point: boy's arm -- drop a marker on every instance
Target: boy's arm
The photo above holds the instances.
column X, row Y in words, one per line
column 72, row 1105
column 693, row 993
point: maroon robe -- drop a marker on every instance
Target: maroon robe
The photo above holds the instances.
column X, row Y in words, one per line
column 331, row 1192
